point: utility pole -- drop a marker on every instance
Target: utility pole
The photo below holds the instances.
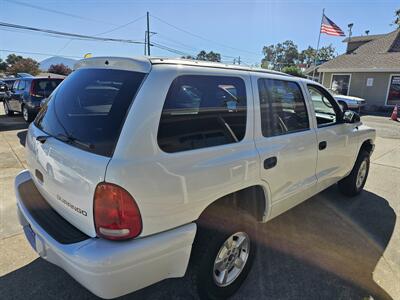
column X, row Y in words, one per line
column 239, row 60
column 148, row 34
column 145, row 43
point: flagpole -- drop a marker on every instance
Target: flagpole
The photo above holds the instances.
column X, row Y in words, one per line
column 319, row 38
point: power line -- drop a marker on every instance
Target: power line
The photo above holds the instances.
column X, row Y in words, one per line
column 203, row 38
column 73, row 35
column 170, row 49
column 120, row 26
column 58, row 12
column 38, row 53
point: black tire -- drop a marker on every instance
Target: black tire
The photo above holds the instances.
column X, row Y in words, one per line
column 348, row 185
column 7, row 111
column 214, row 229
column 27, row 114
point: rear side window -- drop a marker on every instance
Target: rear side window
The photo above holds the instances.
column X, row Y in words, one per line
column 44, row 87
column 89, row 108
column 283, row 109
column 203, row 111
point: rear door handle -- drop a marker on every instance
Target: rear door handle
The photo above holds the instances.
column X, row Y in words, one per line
column 270, row 162
column 322, row 145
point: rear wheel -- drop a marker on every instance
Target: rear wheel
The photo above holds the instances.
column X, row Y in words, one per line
column 223, row 252
column 353, row 184
column 7, row 111
column 27, row 114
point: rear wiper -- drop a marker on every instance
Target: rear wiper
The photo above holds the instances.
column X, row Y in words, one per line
column 71, row 140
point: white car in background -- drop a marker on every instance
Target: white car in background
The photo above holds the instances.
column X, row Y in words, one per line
column 353, row 103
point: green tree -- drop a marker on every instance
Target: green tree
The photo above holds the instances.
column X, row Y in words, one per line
column 3, row 65
column 326, row 53
column 293, row 70
column 280, row 55
column 210, row 56
column 13, row 59
column 397, row 18
column 59, row 69
column 307, row 56
column 24, row 65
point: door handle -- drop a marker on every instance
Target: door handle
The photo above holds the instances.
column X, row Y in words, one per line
column 322, row 145
column 270, row 162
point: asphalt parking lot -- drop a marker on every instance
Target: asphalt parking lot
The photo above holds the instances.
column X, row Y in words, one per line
column 329, row 247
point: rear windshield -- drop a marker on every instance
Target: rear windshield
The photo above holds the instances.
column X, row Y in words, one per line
column 89, row 107
column 44, row 87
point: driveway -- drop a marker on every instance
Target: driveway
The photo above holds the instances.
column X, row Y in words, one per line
column 329, row 247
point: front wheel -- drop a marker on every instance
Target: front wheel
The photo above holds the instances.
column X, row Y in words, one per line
column 354, row 183
column 7, row 111
column 223, row 253
column 27, row 114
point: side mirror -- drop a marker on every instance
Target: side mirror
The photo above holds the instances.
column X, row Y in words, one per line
column 350, row 116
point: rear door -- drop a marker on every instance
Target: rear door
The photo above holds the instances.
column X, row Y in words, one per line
column 81, row 121
column 13, row 101
column 285, row 140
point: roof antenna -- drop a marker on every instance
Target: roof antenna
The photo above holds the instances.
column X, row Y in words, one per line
column 350, row 26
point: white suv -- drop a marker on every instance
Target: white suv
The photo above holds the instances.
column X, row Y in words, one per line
column 169, row 154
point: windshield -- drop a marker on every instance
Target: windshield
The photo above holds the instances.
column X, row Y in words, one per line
column 88, row 109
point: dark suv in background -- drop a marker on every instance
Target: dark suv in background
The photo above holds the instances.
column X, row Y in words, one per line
column 27, row 93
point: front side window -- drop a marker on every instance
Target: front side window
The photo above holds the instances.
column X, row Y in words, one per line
column 340, row 84
column 202, row 111
column 15, row 85
column 283, row 109
column 22, row 85
column 326, row 108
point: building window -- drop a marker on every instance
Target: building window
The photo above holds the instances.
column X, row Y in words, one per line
column 340, row 84
column 394, row 91
column 203, row 111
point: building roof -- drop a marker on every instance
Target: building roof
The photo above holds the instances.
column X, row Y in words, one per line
column 380, row 54
column 363, row 38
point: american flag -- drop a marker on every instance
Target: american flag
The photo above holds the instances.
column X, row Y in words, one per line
column 330, row 28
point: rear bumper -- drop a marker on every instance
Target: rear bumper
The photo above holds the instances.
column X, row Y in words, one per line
column 111, row 269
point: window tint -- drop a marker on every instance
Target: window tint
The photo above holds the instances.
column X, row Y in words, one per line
column 283, row 109
column 340, row 84
column 15, row 85
column 324, row 110
column 202, row 111
column 89, row 108
column 44, row 87
column 22, row 85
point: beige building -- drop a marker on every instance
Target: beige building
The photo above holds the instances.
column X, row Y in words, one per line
column 369, row 69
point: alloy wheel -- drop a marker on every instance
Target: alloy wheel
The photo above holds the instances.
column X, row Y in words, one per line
column 231, row 259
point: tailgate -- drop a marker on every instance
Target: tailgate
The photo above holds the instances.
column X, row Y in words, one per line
column 66, row 177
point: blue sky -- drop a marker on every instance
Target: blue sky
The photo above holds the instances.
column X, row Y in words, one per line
column 232, row 28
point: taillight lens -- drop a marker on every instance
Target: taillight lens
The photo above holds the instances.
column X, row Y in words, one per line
column 116, row 214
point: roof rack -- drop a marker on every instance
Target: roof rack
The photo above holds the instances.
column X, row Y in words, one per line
column 209, row 64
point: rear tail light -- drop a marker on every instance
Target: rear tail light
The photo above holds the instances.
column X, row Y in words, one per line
column 116, row 214
column 32, row 89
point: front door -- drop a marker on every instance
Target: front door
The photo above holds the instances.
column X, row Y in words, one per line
column 286, row 142
column 337, row 144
